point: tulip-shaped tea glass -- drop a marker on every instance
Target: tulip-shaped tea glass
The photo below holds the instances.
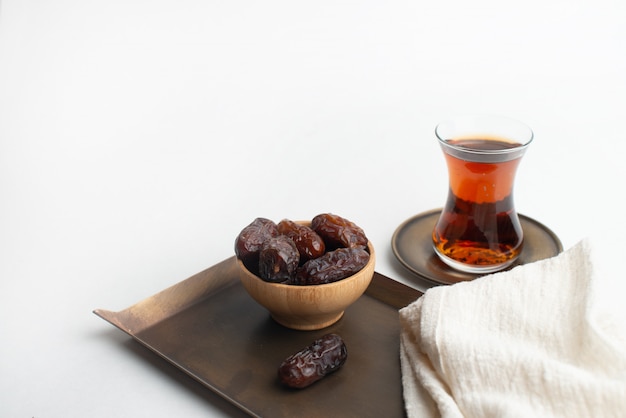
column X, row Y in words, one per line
column 479, row 230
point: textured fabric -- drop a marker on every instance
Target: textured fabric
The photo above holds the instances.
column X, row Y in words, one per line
column 547, row 339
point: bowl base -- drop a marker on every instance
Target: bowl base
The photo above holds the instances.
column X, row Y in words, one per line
column 308, row 324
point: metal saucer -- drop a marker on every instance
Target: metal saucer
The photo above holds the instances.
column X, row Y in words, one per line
column 412, row 245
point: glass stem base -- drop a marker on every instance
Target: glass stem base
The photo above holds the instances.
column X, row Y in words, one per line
column 472, row 268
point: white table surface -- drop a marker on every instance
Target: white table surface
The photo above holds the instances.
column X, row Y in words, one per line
column 138, row 137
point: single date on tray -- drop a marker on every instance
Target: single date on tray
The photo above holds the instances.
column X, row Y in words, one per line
column 324, row 356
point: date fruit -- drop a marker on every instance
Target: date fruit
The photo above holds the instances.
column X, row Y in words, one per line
column 250, row 240
column 309, row 243
column 325, row 355
column 338, row 232
column 332, row 266
column 331, row 249
column 278, row 259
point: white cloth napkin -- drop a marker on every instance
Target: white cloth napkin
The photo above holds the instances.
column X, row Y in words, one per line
column 547, row 339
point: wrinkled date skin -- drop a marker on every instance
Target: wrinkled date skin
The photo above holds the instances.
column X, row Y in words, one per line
column 338, row 232
column 309, row 243
column 332, row 266
column 250, row 240
column 278, row 260
column 312, row 363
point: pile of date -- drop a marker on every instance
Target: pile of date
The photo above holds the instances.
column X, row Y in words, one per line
column 331, row 249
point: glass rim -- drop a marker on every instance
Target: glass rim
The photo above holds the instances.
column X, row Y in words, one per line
column 489, row 127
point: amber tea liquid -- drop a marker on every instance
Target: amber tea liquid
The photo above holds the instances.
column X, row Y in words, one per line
column 479, row 230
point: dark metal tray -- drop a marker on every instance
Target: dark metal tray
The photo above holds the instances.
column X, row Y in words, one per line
column 209, row 327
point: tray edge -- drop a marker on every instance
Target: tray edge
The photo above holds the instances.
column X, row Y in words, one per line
column 176, row 298
column 173, row 299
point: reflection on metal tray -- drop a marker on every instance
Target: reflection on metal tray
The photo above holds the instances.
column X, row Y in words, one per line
column 209, row 327
column 412, row 245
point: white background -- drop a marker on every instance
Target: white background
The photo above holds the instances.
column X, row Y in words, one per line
column 138, row 137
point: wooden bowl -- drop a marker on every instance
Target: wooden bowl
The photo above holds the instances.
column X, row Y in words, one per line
column 308, row 307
